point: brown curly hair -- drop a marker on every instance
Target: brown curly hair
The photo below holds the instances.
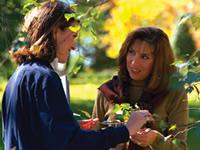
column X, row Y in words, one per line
column 50, row 14
column 163, row 57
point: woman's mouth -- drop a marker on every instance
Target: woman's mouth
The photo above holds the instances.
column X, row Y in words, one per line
column 135, row 71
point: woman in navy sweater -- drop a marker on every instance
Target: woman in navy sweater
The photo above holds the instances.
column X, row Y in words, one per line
column 36, row 113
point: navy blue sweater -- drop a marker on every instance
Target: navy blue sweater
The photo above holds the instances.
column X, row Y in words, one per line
column 37, row 116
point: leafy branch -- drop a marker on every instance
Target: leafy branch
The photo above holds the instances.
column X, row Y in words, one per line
column 124, row 110
column 189, row 74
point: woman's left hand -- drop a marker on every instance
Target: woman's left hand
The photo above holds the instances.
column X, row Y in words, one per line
column 88, row 124
column 144, row 137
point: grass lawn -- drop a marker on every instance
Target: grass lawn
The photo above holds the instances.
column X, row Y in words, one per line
column 83, row 95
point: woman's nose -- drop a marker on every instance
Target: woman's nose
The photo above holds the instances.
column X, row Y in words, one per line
column 134, row 61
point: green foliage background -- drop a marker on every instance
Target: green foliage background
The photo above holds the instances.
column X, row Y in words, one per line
column 183, row 44
column 90, row 46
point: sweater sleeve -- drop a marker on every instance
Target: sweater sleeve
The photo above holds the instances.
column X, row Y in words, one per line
column 101, row 107
column 177, row 115
column 59, row 128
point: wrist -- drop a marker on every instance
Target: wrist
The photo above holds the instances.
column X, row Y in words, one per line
column 131, row 130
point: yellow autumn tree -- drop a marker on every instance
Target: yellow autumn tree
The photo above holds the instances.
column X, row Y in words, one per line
column 127, row 15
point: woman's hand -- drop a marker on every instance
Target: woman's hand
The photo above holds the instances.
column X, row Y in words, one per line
column 137, row 120
column 88, row 124
column 144, row 137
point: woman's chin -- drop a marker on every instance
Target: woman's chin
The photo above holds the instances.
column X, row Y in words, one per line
column 62, row 61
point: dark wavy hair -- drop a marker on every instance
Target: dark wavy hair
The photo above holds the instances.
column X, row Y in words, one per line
column 163, row 57
column 50, row 14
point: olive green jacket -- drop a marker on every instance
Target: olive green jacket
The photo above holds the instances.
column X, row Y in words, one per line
column 173, row 110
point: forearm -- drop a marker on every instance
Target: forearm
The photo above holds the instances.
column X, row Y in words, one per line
column 99, row 140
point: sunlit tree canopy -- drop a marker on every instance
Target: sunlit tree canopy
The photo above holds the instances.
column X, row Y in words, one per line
column 127, row 15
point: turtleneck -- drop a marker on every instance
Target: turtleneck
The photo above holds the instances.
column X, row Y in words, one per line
column 135, row 90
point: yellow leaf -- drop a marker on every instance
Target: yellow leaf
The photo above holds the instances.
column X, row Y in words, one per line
column 173, row 127
column 74, row 28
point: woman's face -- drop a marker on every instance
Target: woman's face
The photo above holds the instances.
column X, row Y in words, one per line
column 139, row 60
column 65, row 42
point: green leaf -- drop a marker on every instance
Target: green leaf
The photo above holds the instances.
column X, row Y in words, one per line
column 95, row 13
column 122, row 111
column 125, row 105
column 28, row 5
column 23, row 34
column 86, row 22
column 176, row 142
column 76, row 70
column 116, row 108
column 69, row 16
column 163, row 125
column 120, row 117
column 87, row 114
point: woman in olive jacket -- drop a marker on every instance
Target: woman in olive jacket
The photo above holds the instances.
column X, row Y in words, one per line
column 145, row 67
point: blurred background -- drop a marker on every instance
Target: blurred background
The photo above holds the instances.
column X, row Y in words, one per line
column 104, row 29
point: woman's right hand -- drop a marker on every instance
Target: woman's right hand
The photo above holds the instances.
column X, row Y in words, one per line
column 137, row 120
column 145, row 137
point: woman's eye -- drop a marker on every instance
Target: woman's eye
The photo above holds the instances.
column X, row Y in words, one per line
column 145, row 57
column 131, row 51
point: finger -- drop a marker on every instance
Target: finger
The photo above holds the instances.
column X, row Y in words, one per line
column 138, row 139
column 135, row 141
column 86, row 120
column 96, row 119
column 147, row 115
column 145, row 131
column 140, row 143
column 149, row 118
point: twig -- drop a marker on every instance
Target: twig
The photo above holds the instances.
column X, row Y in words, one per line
column 92, row 7
column 187, row 127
